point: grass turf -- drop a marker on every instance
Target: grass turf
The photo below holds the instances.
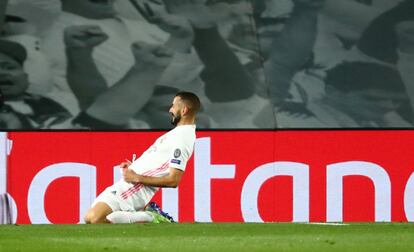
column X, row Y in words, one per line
column 209, row 237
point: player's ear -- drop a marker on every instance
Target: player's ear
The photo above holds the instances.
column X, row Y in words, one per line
column 184, row 110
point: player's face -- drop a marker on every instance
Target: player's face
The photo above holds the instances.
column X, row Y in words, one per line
column 175, row 111
column 13, row 80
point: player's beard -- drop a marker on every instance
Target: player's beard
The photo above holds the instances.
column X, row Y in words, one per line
column 175, row 119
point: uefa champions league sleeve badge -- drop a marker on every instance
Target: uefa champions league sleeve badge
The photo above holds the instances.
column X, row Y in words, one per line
column 177, row 153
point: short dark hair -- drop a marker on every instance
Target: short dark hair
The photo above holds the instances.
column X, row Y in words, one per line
column 352, row 76
column 191, row 100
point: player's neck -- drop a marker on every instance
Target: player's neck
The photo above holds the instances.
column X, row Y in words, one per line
column 186, row 121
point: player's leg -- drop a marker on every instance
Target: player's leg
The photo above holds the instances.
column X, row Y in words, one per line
column 121, row 217
column 104, row 204
column 97, row 214
column 152, row 213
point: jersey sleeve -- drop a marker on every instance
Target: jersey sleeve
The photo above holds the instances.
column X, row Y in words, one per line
column 180, row 153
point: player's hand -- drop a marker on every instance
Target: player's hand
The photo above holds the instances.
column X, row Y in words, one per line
column 147, row 55
column 84, row 36
column 195, row 11
column 405, row 36
column 130, row 176
column 125, row 165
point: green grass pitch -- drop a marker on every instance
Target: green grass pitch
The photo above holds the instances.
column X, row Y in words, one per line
column 209, row 237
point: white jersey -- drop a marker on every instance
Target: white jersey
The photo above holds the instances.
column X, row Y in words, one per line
column 171, row 150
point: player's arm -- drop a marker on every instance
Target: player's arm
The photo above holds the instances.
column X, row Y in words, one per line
column 171, row 180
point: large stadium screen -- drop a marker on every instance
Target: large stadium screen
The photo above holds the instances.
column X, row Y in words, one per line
column 254, row 64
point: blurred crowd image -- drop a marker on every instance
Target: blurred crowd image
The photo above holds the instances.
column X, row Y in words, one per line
column 255, row 64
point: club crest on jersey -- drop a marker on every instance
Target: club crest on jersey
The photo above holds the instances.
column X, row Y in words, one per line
column 175, row 161
column 177, row 153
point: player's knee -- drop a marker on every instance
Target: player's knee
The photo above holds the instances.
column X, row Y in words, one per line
column 92, row 218
column 88, row 218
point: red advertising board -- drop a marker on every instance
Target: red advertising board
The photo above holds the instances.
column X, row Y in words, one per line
column 233, row 176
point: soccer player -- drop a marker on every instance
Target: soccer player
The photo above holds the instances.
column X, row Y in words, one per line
column 161, row 165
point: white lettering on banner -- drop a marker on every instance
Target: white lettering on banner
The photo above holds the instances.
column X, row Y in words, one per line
column 255, row 180
column 9, row 145
column 13, row 207
column 170, row 202
column 334, row 188
column 3, row 163
column 36, row 196
column 204, row 171
column 409, row 198
column 170, row 195
column 5, row 150
column 117, row 174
